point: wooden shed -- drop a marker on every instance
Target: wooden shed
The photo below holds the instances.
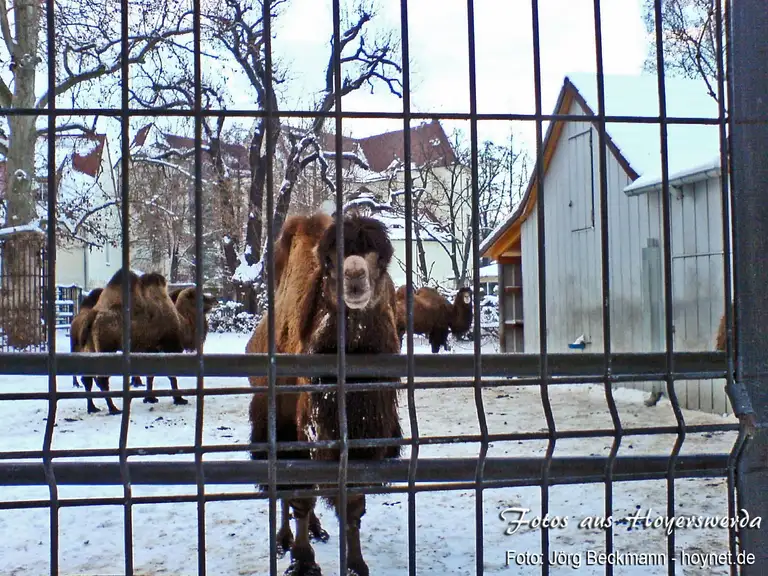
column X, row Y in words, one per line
column 570, row 195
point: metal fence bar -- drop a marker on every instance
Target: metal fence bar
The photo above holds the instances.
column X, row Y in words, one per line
column 341, row 343
column 527, row 471
column 544, row 369
column 241, row 113
column 415, row 441
column 49, row 307
column 125, row 421
column 724, row 87
column 362, row 443
column 749, row 109
column 477, row 340
column 606, row 292
column 199, row 314
column 667, row 264
column 271, row 281
column 626, row 364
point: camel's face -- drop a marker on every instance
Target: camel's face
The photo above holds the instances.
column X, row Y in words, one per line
column 360, row 274
column 467, row 297
column 367, row 252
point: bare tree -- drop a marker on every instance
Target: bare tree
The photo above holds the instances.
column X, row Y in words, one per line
column 239, row 27
column 88, row 63
column 444, row 214
column 690, row 39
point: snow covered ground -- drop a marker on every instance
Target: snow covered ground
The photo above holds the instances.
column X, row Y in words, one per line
column 91, row 538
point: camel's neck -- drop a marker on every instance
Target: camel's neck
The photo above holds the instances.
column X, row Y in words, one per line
column 369, row 331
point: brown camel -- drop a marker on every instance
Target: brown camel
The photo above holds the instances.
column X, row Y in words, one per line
column 306, row 302
column 298, row 239
column 185, row 304
column 434, row 317
column 155, row 325
column 75, row 328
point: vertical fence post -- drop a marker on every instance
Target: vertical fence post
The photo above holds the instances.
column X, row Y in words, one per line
column 749, row 109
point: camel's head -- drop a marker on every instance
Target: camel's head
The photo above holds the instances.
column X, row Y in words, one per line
column 465, row 296
column 367, row 253
column 90, row 300
column 186, row 300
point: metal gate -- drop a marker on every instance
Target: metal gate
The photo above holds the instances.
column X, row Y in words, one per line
column 744, row 156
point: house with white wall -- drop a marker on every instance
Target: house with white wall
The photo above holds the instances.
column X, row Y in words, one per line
column 571, row 200
column 437, row 180
column 87, row 191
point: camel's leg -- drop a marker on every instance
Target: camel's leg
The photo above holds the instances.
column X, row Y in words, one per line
column 284, row 534
column 316, row 530
column 103, row 383
column 302, row 555
column 435, row 343
column 88, row 385
column 150, row 398
column 355, row 511
column 177, row 398
column 136, row 382
column 75, row 383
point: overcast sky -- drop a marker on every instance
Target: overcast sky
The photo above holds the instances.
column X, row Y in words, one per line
column 440, row 61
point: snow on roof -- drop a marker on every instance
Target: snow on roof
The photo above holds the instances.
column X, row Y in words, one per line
column 688, row 144
column 491, row 270
column 688, row 175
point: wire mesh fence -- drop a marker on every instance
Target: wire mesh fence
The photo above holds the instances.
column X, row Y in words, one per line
column 340, row 404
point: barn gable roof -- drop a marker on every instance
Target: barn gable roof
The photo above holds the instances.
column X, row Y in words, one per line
column 636, row 146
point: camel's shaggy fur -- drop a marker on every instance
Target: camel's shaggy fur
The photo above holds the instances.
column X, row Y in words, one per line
column 155, row 325
column 299, row 237
column 306, row 322
column 433, row 316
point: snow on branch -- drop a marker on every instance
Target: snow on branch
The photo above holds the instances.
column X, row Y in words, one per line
column 13, row 230
column 367, row 201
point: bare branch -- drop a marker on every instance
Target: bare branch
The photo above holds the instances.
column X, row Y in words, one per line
column 67, row 128
column 103, row 70
column 5, row 28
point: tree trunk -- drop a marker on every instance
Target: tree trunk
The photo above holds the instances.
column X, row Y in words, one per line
column 259, row 165
column 21, row 306
column 22, row 265
column 174, row 272
column 230, row 241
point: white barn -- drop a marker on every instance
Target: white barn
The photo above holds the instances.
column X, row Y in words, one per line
column 571, row 199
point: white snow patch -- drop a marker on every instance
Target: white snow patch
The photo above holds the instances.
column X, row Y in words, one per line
column 31, row 227
column 247, row 273
column 237, row 532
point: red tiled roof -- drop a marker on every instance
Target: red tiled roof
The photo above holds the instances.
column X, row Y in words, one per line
column 236, row 151
column 141, row 136
column 429, row 143
column 90, row 163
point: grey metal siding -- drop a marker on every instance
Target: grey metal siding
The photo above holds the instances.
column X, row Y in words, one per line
column 573, row 262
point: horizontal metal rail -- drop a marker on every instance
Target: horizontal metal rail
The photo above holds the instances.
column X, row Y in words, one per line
column 355, row 443
column 245, row 113
column 563, row 471
column 651, row 366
